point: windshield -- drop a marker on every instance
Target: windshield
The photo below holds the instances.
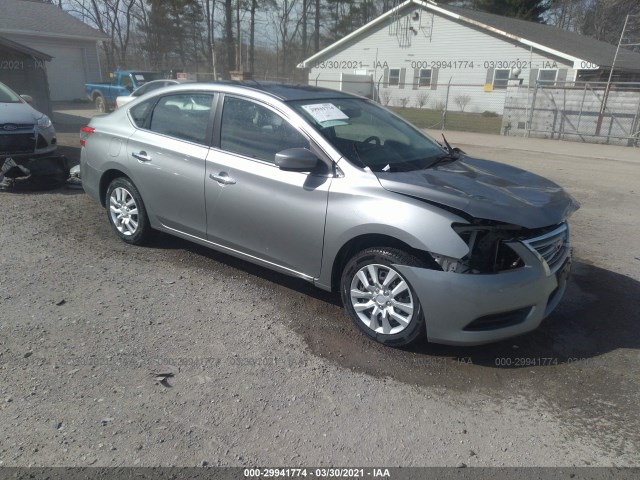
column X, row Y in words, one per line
column 369, row 135
column 7, row 95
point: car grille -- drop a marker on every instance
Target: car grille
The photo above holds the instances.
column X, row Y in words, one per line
column 552, row 246
column 14, row 143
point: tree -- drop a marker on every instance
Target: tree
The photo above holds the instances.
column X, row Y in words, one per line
column 604, row 19
column 114, row 18
column 422, row 99
column 462, row 101
column 173, row 34
column 532, row 10
column 567, row 14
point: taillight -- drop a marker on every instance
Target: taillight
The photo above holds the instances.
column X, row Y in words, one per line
column 84, row 133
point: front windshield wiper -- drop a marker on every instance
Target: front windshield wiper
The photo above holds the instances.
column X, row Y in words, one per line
column 452, row 154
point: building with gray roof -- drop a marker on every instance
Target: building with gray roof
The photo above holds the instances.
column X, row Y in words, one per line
column 71, row 43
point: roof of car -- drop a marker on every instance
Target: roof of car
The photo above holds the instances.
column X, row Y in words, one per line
column 286, row 92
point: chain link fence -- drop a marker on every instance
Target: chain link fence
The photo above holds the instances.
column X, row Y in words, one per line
column 585, row 112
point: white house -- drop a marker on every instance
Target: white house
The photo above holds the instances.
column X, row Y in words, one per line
column 415, row 50
column 48, row 29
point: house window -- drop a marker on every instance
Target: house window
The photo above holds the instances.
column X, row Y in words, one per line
column 501, row 78
column 547, row 77
column 425, row 78
column 394, row 76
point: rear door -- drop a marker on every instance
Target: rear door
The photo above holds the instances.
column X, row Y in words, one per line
column 167, row 158
column 253, row 206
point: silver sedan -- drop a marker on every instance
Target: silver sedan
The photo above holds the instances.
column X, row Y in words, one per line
column 420, row 239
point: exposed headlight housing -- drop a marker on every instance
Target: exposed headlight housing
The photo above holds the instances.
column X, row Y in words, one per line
column 44, row 122
column 488, row 249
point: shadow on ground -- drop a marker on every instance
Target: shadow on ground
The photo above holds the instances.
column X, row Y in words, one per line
column 597, row 315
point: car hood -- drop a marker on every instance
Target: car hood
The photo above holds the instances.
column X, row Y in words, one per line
column 18, row 113
column 486, row 190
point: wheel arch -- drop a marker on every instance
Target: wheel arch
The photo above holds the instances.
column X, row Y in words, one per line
column 362, row 242
column 107, row 177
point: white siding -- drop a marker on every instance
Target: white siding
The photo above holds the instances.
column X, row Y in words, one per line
column 464, row 54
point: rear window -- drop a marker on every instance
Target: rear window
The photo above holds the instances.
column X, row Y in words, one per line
column 144, row 77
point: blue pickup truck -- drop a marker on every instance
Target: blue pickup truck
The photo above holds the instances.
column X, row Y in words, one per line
column 123, row 82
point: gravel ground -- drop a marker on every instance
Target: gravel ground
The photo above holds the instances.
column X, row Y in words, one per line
column 268, row 370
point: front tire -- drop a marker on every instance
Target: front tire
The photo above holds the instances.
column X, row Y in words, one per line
column 126, row 211
column 379, row 300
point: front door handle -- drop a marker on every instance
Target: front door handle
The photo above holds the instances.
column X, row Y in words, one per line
column 223, row 178
column 142, row 156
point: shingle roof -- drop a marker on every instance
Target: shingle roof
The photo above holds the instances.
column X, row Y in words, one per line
column 565, row 44
column 587, row 48
column 35, row 17
column 5, row 42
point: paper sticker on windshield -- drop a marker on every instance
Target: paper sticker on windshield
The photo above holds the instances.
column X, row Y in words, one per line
column 325, row 112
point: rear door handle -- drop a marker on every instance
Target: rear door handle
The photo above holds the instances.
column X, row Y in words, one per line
column 223, row 178
column 142, row 156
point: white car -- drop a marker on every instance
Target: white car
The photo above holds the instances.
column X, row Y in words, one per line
column 146, row 88
column 23, row 130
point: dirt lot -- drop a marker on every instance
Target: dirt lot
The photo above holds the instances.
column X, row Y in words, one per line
column 269, row 370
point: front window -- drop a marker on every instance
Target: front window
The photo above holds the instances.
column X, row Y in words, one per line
column 501, row 78
column 394, row 76
column 254, row 131
column 8, row 96
column 369, row 135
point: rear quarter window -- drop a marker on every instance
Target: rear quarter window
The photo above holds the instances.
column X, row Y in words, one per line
column 140, row 112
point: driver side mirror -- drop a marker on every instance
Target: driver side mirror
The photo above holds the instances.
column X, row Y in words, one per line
column 27, row 98
column 297, row 160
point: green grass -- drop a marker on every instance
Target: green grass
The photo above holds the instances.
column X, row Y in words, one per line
column 464, row 122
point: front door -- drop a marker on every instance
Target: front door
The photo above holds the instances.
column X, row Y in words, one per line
column 254, row 207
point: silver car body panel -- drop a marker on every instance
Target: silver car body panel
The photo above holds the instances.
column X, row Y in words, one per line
column 488, row 190
column 452, row 301
column 297, row 223
column 172, row 167
column 358, row 195
column 278, row 201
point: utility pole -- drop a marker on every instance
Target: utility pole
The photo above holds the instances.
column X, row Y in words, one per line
column 607, row 89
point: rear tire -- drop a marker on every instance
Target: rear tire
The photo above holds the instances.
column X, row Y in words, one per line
column 379, row 300
column 126, row 211
column 100, row 105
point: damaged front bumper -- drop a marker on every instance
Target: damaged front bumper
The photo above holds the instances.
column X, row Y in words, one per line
column 473, row 309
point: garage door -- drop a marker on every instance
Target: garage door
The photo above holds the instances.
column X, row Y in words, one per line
column 66, row 71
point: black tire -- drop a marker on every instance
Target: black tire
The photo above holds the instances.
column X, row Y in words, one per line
column 100, row 104
column 140, row 220
column 385, row 257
